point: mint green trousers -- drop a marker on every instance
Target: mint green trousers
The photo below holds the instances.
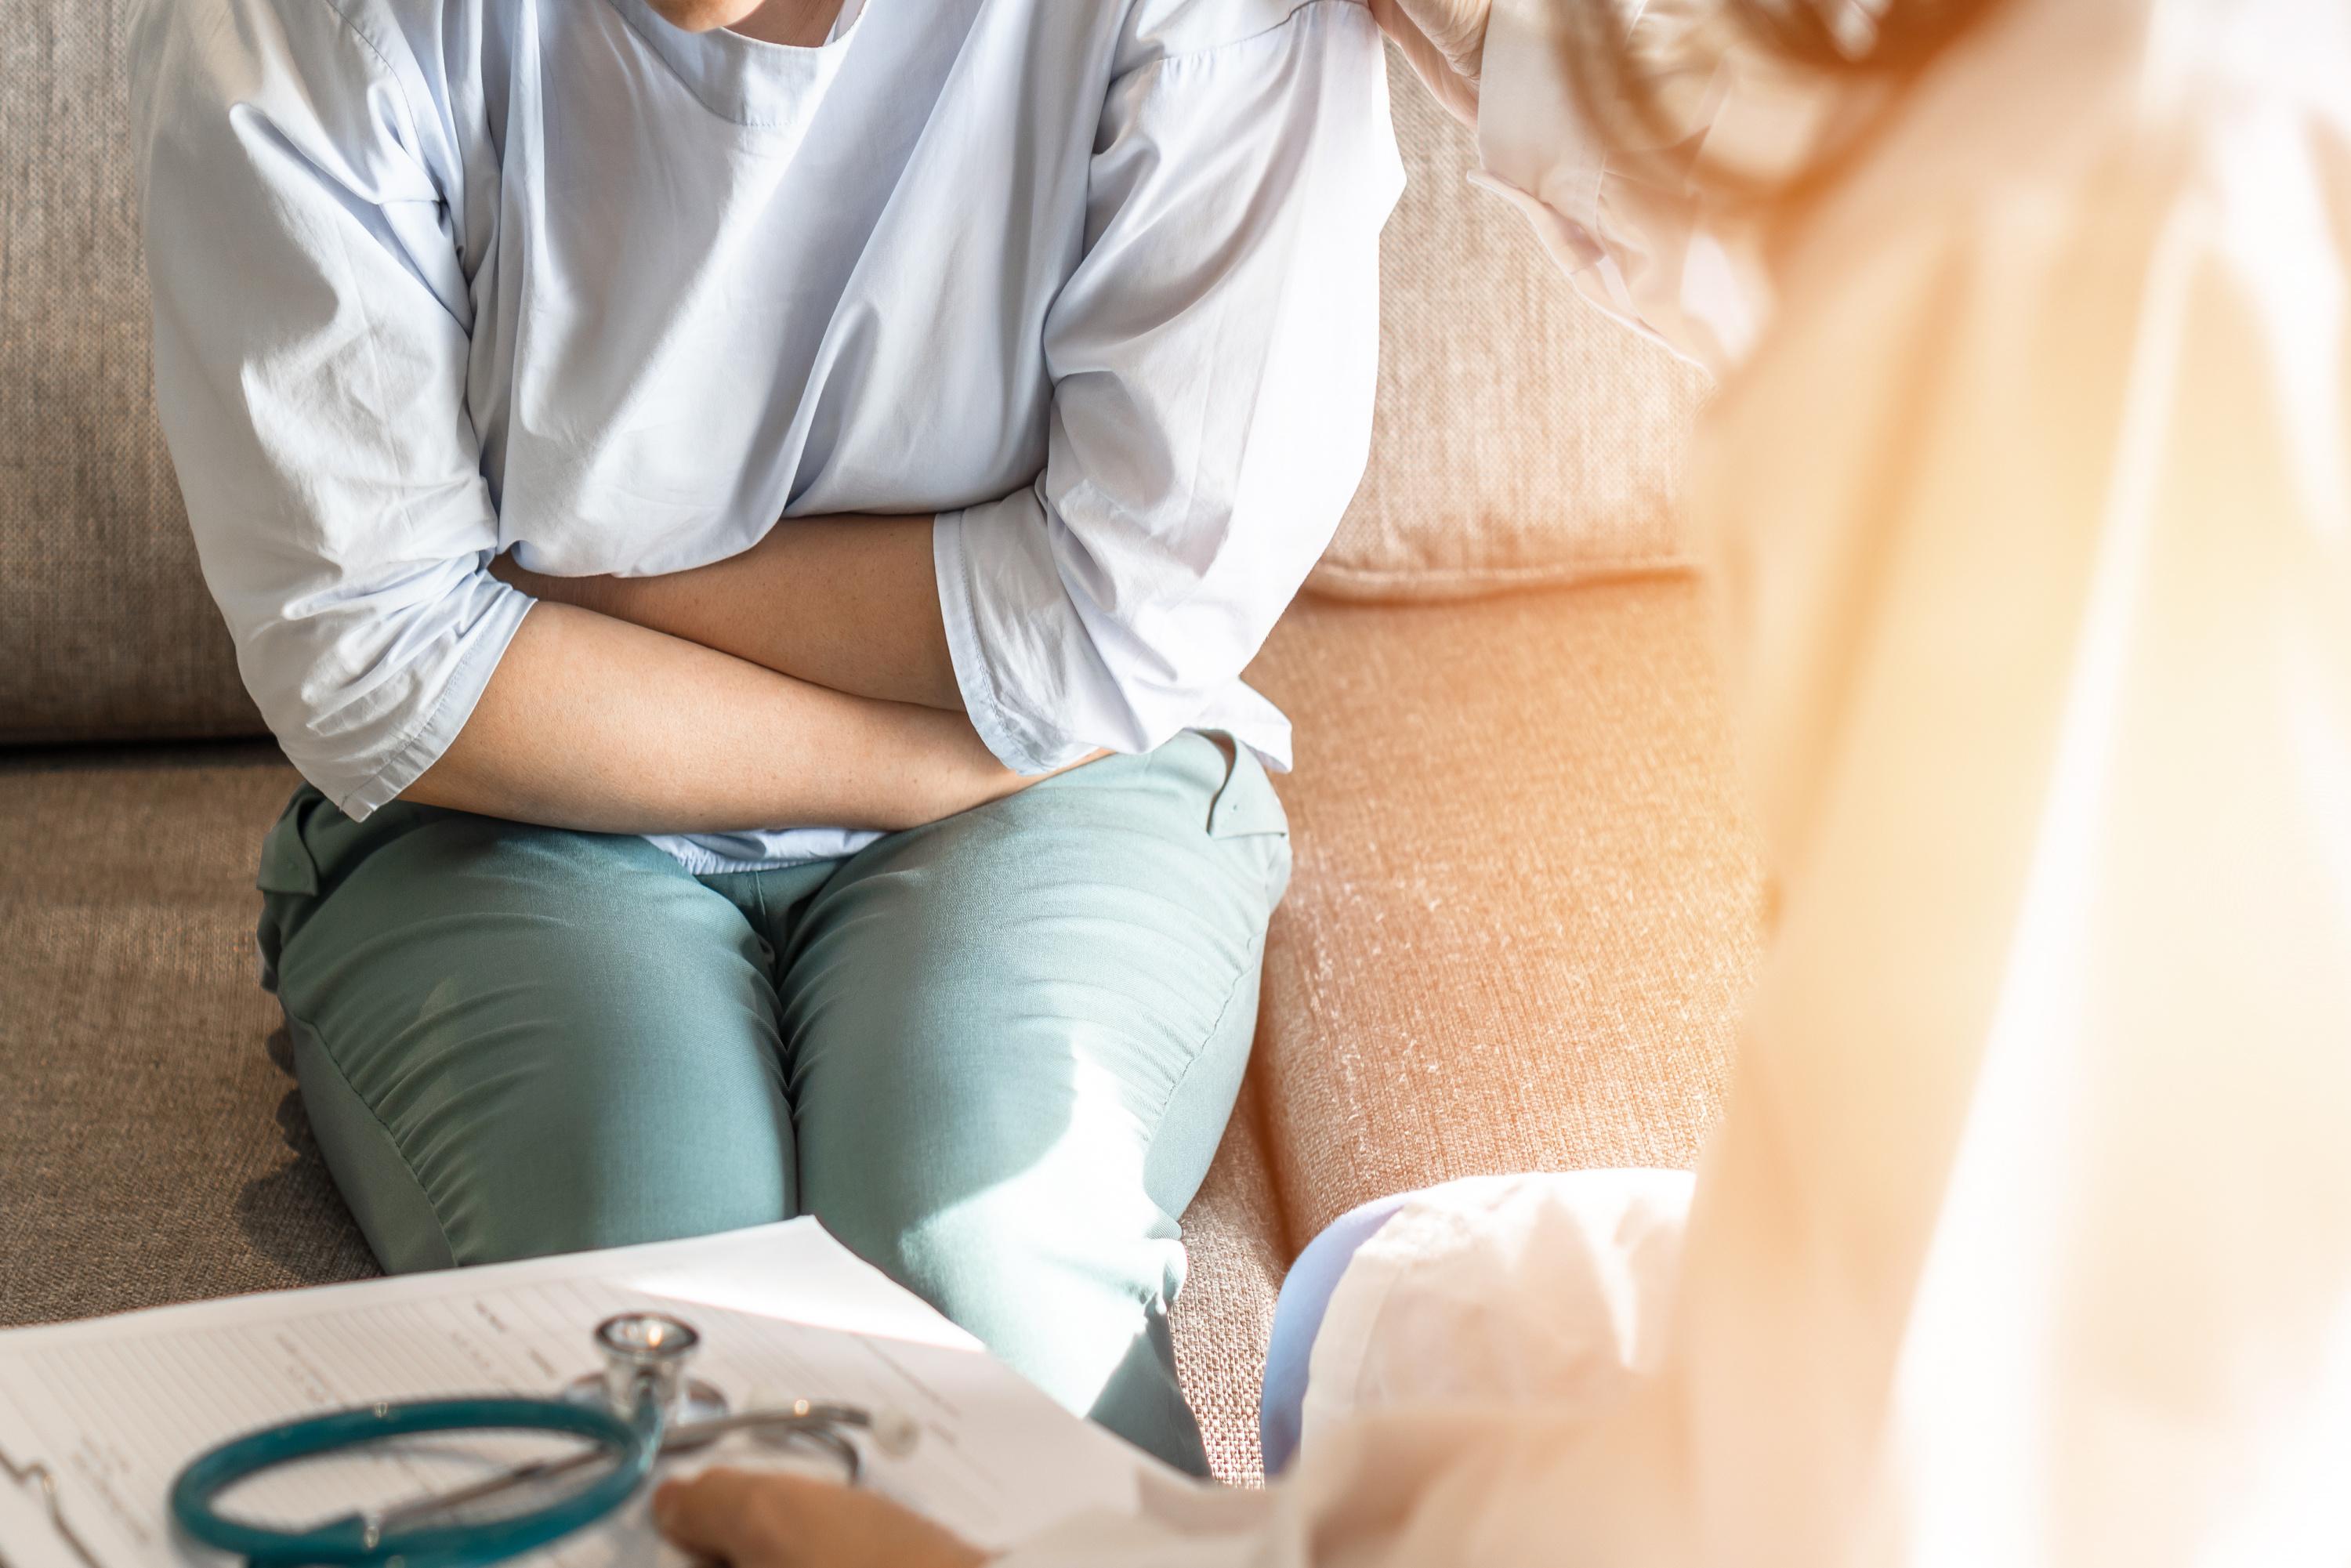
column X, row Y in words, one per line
column 994, row 1055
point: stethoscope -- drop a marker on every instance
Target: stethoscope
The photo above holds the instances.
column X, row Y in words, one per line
column 640, row 1408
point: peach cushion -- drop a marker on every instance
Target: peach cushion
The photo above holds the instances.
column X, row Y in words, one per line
column 1522, row 437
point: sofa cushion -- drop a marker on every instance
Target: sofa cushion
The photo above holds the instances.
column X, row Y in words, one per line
column 1524, row 909
column 153, row 1147
column 105, row 626
column 1522, row 438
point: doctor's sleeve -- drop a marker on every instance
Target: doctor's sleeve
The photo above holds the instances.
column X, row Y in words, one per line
column 311, row 321
column 1214, row 355
column 1633, row 242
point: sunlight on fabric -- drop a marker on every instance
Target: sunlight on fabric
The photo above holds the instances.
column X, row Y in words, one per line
column 831, row 1290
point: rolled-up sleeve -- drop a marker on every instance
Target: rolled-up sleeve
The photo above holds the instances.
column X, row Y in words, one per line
column 311, row 324
column 1213, row 356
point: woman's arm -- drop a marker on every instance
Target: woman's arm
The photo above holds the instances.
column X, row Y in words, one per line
column 1213, row 355
column 312, row 339
column 850, row 604
column 593, row 724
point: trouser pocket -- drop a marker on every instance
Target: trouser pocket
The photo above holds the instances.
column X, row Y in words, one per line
column 287, row 876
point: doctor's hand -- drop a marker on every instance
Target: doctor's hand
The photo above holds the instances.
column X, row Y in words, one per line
column 768, row 1520
column 1445, row 42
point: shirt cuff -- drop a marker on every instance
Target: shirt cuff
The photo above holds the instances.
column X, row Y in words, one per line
column 975, row 670
column 484, row 642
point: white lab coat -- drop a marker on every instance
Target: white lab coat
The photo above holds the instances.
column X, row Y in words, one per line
column 2027, row 1238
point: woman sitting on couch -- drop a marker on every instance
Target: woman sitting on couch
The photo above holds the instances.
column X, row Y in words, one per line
column 663, row 869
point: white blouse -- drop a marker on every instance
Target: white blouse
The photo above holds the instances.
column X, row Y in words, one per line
column 2027, row 1238
column 1094, row 283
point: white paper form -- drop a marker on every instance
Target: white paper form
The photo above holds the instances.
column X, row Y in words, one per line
column 115, row 1407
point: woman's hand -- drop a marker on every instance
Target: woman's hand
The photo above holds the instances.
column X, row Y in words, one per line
column 767, row 1520
column 1445, row 40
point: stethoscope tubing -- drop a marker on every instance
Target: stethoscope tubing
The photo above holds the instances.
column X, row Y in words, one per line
column 817, row 1424
column 359, row 1539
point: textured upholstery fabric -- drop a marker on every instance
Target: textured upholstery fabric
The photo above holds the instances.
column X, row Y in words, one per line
column 153, row 1148
column 1238, row 1249
column 1523, row 438
column 105, row 626
column 1525, row 910
column 152, row 1151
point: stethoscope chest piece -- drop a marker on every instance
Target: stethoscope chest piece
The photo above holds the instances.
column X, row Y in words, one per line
column 647, row 1355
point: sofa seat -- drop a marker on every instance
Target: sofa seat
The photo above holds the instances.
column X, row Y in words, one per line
column 1524, row 911
column 1522, row 919
column 1516, row 933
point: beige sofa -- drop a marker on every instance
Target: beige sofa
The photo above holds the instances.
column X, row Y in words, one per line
column 1522, row 916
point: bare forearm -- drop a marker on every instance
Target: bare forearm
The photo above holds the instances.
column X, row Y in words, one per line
column 849, row 603
column 592, row 724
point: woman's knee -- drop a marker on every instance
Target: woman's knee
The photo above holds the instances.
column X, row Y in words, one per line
column 1057, row 1271
column 571, row 1139
column 524, row 1043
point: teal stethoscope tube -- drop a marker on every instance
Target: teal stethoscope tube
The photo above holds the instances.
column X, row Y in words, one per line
column 352, row 1542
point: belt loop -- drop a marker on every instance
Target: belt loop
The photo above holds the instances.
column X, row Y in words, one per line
column 1246, row 804
column 286, row 865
